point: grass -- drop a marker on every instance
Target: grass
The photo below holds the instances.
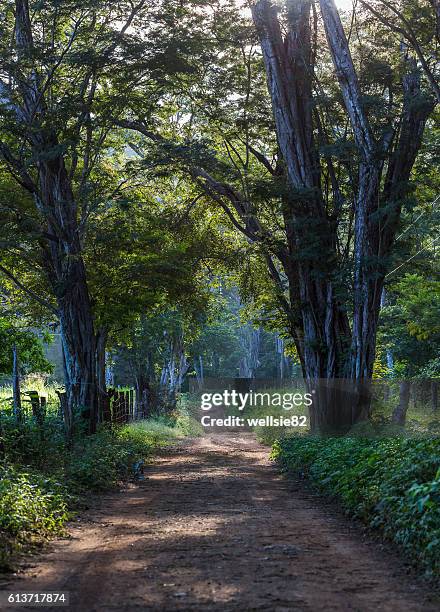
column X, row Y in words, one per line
column 268, row 435
column 43, row 482
column 391, row 484
column 32, row 382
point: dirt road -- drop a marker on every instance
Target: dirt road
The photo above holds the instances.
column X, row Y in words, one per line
column 214, row 527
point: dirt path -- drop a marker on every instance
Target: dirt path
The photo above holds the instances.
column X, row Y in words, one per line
column 214, row 527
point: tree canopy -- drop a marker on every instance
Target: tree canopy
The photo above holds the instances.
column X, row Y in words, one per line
column 148, row 149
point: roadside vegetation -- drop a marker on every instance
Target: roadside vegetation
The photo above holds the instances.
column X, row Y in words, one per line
column 44, row 480
column 391, row 484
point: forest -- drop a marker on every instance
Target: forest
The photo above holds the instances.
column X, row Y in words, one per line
column 207, row 195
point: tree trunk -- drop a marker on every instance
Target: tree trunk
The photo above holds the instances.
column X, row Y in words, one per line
column 109, row 373
column 76, row 326
column 101, row 340
column 434, row 395
column 324, row 329
column 309, row 232
column 279, row 349
column 250, row 340
column 67, row 275
column 183, row 370
column 173, row 372
column 68, row 419
column 18, row 414
column 198, row 368
column 399, row 414
column 61, row 250
column 144, row 399
column 338, row 404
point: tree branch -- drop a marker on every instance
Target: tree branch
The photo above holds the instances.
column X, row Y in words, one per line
column 262, row 159
column 348, row 80
column 17, row 169
column 30, row 292
column 408, row 32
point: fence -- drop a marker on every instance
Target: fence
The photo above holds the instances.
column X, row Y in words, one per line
column 118, row 406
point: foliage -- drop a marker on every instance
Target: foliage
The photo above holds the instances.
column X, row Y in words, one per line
column 145, row 254
column 32, row 508
column 42, row 481
column 419, row 299
column 99, row 462
column 392, row 484
column 224, row 338
column 29, row 349
column 410, row 325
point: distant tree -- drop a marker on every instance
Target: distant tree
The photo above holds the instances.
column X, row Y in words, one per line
column 142, row 254
column 410, row 326
column 156, row 356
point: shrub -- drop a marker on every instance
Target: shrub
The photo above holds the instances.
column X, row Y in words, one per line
column 40, row 478
column 99, row 462
column 392, row 484
column 32, row 508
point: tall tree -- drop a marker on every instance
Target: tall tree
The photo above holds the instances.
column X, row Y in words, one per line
column 57, row 85
column 336, row 166
column 48, row 85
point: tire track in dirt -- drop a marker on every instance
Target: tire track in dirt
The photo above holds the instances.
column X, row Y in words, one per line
column 214, row 527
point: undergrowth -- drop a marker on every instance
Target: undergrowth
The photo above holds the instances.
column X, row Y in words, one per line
column 391, row 484
column 42, row 481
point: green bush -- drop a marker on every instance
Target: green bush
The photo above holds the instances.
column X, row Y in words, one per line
column 41, row 478
column 30, row 504
column 98, row 462
column 32, row 508
column 392, row 484
column 27, row 444
column 101, row 461
column 188, row 425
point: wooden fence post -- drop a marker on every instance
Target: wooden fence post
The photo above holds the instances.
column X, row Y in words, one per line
column 131, row 404
column 121, row 406
column 126, row 406
column 67, row 416
column 38, row 407
column 117, row 407
column 16, row 385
